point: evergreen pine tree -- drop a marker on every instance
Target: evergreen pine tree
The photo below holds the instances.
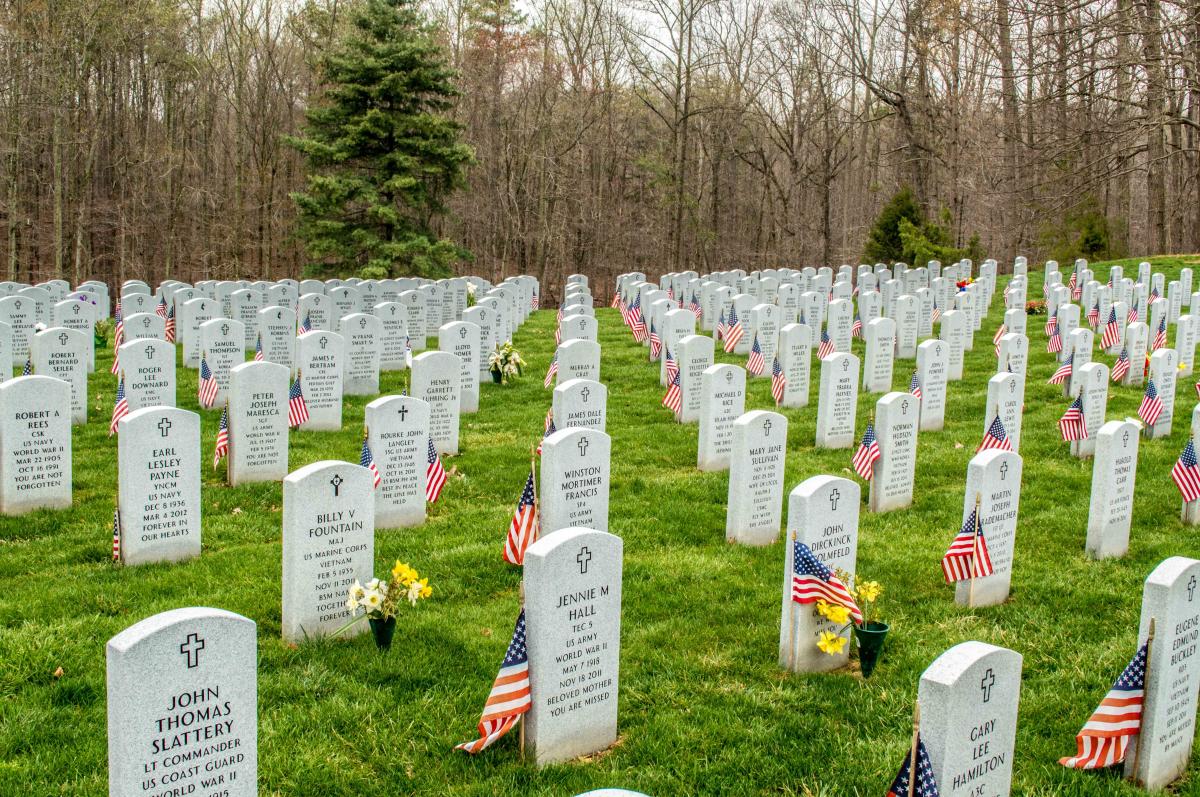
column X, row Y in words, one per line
column 383, row 155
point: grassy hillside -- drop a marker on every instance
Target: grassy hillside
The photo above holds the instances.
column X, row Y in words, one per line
column 704, row 708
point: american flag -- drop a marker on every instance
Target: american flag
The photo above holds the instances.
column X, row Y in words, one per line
column 695, row 306
column 120, row 407
column 616, row 299
column 1112, row 331
column 306, row 324
column 926, row 783
column 1121, row 366
column 558, row 334
column 1105, row 737
column 222, row 446
column 117, row 534
column 867, row 454
column 670, row 366
column 1160, row 337
column 1093, row 315
column 118, row 328
column 435, row 474
column 552, row 371
column 1073, row 425
column 1154, row 294
column 671, row 292
column 856, row 329
column 655, row 342
column 826, row 347
column 207, row 392
column 161, row 309
column 27, row 369
column 367, row 460
column 636, row 322
column 1063, row 373
column 673, row 400
column 778, row 381
column 535, row 302
column 258, row 352
column 1151, row 406
column 523, row 528
column 1051, row 323
column 968, row 555
column 550, row 429
column 169, row 326
column 1073, row 282
column 1054, row 345
column 936, row 314
column 1186, row 474
column 1133, row 312
column 1001, row 331
column 297, row 406
column 813, row 581
column 733, row 330
column 754, row 363
column 719, row 331
column 914, row 384
column 995, row 437
column 509, row 698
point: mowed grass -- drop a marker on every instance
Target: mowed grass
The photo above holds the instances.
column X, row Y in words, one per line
column 704, row 708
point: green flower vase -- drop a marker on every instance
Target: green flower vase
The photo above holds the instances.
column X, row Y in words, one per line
column 870, row 637
column 383, row 631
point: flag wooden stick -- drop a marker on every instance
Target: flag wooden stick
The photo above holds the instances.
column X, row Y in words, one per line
column 1137, row 752
column 912, row 760
column 974, row 551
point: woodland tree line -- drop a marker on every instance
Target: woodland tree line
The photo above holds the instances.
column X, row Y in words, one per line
column 145, row 138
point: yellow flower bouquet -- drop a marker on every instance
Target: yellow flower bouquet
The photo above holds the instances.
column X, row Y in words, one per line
column 380, row 601
column 869, row 633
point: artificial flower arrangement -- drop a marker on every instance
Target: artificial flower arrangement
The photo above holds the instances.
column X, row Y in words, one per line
column 470, row 294
column 962, row 284
column 1035, row 307
column 506, row 363
column 869, row 634
column 380, row 601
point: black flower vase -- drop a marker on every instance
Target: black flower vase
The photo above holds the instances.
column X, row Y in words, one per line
column 497, row 376
column 870, row 637
column 383, row 630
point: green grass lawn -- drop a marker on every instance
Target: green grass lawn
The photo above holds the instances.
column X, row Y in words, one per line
column 704, row 708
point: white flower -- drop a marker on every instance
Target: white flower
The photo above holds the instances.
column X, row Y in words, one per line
column 373, row 584
column 414, row 592
column 372, row 600
column 356, row 591
column 351, row 604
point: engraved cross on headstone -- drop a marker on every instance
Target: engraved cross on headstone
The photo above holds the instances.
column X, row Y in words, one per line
column 583, row 558
column 191, row 648
column 583, row 394
column 583, row 446
column 149, row 351
column 324, row 342
column 336, row 481
column 403, row 412
column 164, row 426
column 224, row 329
column 462, row 332
column 1003, row 471
column 986, row 683
column 1191, row 588
column 834, row 495
column 63, row 337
